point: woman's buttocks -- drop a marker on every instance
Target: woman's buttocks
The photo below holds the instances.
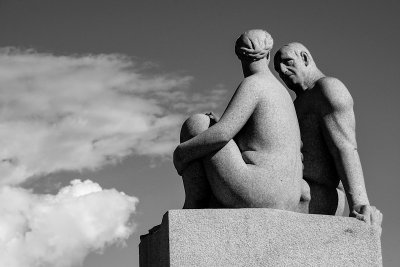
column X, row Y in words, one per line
column 279, row 178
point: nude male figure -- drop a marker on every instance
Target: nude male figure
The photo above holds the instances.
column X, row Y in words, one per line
column 324, row 109
column 251, row 156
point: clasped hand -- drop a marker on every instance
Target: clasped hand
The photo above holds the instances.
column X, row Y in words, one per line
column 366, row 213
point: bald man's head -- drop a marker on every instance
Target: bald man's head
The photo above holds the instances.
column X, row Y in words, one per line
column 295, row 48
column 253, row 45
column 294, row 64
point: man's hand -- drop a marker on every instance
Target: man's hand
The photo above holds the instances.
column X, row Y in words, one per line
column 178, row 162
column 366, row 213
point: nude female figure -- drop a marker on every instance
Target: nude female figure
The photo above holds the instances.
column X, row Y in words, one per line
column 251, row 156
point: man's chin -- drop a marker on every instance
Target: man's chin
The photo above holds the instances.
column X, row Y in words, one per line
column 289, row 83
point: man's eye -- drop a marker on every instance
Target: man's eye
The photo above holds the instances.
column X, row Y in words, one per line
column 290, row 62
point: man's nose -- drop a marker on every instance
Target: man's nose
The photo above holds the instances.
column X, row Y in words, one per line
column 283, row 67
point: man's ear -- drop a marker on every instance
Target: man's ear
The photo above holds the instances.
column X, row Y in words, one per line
column 305, row 57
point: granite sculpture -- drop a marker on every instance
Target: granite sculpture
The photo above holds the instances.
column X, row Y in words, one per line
column 324, row 109
column 250, row 157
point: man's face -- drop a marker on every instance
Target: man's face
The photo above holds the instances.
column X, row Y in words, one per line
column 290, row 67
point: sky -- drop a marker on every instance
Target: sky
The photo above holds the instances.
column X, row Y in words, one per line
column 93, row 92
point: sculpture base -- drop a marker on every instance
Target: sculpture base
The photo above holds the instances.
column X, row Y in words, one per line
column 259, row 237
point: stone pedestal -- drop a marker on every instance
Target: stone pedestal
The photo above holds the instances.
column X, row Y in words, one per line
column 259, row 237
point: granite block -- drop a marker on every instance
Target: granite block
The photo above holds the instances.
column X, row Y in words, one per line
column 259, row 237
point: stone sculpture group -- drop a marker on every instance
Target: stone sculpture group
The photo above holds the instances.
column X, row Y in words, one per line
column 267, row 151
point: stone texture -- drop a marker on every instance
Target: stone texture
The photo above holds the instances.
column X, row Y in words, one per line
column 324, row 109
column 259, row 237
column 250, row 158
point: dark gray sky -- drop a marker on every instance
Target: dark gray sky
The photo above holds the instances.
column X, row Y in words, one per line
column 354, row 41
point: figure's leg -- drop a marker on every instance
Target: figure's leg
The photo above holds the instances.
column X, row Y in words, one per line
column 326, row 200
column 341, row 202
column 226, row 181
column 199, row 193
column 197, row 188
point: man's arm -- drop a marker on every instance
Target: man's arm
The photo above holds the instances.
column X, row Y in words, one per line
column 339, row 133
column 239, row 110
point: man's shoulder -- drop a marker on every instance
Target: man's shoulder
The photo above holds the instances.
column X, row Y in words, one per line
column 334, row 92
column 330, row 85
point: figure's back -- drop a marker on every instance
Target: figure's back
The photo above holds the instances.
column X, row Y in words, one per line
column 271, row 137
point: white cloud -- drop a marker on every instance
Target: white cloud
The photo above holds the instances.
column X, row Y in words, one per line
column 201, row 102
column 71, row 112
column 60, row 230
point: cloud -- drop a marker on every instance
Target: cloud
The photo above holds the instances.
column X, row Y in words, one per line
column 81, row 112
column 201, row 102
column 74, row 113
column 60, row 230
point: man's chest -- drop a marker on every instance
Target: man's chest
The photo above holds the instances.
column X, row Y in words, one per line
column 309, row 122
column 306, row 114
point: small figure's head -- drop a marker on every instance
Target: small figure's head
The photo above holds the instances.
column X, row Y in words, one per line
column 254, row 45
column 294, row 64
